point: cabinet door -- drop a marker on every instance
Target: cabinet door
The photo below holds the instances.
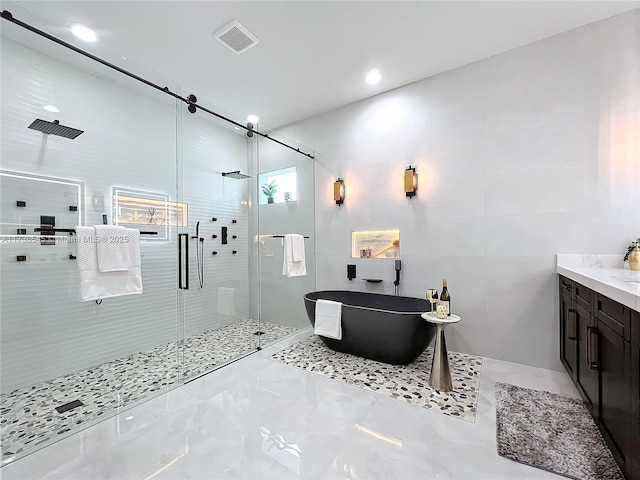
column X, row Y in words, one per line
column 616, row 411
column 586, row 366
column 568, row 336
column 634, row 464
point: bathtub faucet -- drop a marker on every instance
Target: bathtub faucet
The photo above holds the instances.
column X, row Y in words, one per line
column 398, row 265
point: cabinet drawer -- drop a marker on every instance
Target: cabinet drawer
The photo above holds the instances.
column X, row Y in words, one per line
column 584, row 295
column 615, row 315
column 566, row 285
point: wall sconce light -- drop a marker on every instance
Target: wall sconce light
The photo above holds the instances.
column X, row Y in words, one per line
column 338, row 191
column 410, row 181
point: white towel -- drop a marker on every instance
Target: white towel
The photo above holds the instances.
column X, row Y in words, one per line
column 297, row 247
column 292, row 268
column 133, row 245
column 112, row 247
column 328, row 319
column 86, row 242
column 95, row 285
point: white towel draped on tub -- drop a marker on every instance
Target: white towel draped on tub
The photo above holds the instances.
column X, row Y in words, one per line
column 328, row 319
column 95, row 285
column 294, row 256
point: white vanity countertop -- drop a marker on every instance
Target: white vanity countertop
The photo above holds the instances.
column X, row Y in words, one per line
column 604, row 274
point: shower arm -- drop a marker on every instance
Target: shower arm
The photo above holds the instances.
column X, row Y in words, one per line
column 191, row 100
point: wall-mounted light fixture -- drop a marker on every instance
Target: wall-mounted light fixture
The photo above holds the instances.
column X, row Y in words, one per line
column 410, row 181
column 338, row 191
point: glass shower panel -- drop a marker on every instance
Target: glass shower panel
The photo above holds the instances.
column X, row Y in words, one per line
column 67, row 363
column 218, row 327
column 285, row 204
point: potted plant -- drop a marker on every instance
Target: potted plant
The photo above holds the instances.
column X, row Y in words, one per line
column 633, row 255
column 270, row 189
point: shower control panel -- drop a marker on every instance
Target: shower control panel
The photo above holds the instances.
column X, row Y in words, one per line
column 224, row 235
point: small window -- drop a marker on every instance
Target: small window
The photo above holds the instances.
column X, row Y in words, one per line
column 278, row 186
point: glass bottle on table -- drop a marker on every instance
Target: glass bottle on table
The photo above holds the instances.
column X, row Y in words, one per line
column 445, row 298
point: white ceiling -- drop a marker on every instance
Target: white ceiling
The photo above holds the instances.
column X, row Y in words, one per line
column 312, row 55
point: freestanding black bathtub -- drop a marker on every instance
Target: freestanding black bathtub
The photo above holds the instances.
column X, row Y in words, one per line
column 380, row 327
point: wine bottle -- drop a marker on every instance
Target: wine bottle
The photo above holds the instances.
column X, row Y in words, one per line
column 445, row 298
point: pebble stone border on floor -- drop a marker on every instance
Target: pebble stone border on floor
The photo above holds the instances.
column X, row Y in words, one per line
column 28, row 415
column 409, row 383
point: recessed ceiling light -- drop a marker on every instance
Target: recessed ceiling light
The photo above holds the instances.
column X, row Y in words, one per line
column 373, row 76
column 253, row 119
column 51, row 108
column 84, row 33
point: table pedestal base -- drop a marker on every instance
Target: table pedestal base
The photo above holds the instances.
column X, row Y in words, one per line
column 440, row 377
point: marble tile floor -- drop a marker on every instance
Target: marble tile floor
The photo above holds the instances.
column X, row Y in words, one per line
column 28, row 416
column 258, row 418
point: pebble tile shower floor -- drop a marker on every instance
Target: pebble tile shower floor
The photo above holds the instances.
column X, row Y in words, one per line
column 408, row 383
column 28, row 415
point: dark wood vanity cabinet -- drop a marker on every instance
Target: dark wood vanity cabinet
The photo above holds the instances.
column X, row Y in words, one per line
column 600, row 348
column 634, row 461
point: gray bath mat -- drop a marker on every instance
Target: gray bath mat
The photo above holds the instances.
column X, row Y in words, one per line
column 553, row 433
column 408, row 383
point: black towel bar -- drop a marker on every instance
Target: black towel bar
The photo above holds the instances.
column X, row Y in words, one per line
column 73, row 230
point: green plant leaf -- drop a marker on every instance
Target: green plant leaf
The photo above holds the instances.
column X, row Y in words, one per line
column 270, row 188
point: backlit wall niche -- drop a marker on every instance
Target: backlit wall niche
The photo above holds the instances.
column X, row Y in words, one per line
column 375, row 244
column 155, row 211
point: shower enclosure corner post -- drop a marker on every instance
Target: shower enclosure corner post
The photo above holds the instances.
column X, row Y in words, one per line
column 254, row 237
column 180, row 230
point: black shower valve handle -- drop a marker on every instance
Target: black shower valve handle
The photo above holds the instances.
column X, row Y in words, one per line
column 214, row 219
column 214, row 236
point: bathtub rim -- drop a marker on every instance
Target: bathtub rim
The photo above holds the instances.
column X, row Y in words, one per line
column 395, row 312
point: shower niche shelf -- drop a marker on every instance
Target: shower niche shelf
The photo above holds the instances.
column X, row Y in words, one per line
column 375, row 244
column 154, row 210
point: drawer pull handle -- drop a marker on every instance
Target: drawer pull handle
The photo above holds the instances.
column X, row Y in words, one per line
column 572, row 327
column 591, row 332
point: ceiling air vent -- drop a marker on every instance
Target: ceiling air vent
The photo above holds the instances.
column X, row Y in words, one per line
column 236, row 37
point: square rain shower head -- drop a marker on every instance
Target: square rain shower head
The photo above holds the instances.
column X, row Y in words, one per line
column 237, row 175
column 54, row 128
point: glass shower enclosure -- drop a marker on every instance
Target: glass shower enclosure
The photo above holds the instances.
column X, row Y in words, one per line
column 290, row 176
column 84, row 145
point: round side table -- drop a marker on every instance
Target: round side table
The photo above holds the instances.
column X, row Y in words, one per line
column 440, row 377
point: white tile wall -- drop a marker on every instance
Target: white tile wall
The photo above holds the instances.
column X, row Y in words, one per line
column 521, row 156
